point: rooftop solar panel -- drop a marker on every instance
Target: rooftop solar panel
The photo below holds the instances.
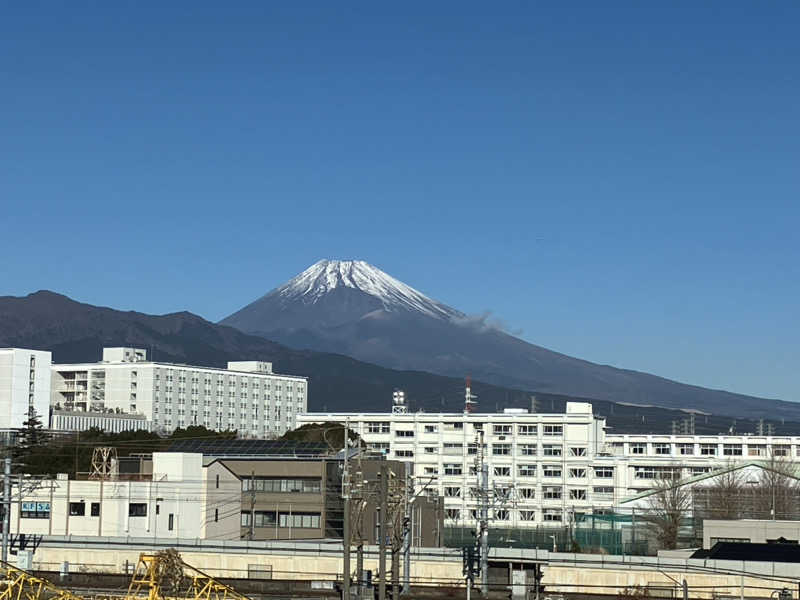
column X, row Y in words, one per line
column 221, row 447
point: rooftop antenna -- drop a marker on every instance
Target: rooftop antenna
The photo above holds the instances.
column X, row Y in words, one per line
column 399, row 402
column 469, row 397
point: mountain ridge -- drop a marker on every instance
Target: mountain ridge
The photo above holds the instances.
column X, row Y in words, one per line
column 76, row 332
column 355, row 321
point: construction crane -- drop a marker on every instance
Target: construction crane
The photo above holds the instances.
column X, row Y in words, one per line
column 160, row 576
column 21, row 585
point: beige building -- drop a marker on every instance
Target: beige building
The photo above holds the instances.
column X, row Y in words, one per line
column 284, row 498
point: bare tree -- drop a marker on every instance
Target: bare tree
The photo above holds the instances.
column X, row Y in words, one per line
column 668, row 505
column 776, row 492
column 722, row 499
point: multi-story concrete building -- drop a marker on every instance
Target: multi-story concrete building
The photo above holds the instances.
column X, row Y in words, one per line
column 543, row 468
column 24, row 386
column 247, row 396
column 173, row 501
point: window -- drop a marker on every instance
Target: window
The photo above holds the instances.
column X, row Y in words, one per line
column 452, row 492
column 577, row 494
column 780, row 449
column 452, row 469
column 604, row 472
column 638, row 448
column 527, row 493
column 265, row 518
column 246, row 518
column 137, row 509
column 278, row 485
column 453, row 448
column 403, row 433
column 431, row 429
column 527, row 470
column 454, row 426
column 501, row 514
column 299, row 520
column 502, row 471
column 527, row 429
column 217, row 483
column 453, row 514
column 551, row 471
column 502, row 429
column 551, row 493
column 95, row 509
column 431, row 470
column 551, row 450
column 661, row 448
column 77, row 509
column 577, row 451
column 502, row 493
column 552, row 430
column 404, row 453
column 708, row 449
column 431, row 449
column 756, row 449
column 651, row 472
column 527, row 515
column 527, row 449
column 686, row 449
column 732, row 449
column 171, row 519
column 578, row 473
column 551, row 515
column 603, row 491
column 501, row 449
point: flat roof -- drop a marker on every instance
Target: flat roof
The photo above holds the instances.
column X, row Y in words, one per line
column 101, row 364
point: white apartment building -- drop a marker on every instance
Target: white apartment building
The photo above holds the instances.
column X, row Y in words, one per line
column 543, row 468
column 247, row 396
column 24, row 386
column 179, row 499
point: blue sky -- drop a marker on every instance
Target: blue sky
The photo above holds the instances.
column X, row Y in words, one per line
column 618, row 181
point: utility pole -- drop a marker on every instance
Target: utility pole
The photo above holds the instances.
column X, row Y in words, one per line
column 384, row 509
column 407, row 531
column 6, row 506
column 252, row 533
column 483, row 530
column 346, row 526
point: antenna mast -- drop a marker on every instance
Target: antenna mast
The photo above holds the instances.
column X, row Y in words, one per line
column 469, row 397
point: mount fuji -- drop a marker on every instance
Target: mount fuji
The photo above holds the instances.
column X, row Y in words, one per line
column 354, row 308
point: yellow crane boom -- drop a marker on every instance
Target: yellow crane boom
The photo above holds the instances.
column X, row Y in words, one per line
column 159, row 576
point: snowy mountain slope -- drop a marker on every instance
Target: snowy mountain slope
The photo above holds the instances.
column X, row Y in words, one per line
column 353, row 308
column 325, row 276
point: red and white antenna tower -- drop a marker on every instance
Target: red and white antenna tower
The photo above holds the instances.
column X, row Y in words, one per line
column 469, row 397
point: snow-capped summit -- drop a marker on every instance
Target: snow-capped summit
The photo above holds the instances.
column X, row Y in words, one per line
column 333, row 293
column 325, row 276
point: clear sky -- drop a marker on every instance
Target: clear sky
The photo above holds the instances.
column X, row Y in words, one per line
column 619, row 181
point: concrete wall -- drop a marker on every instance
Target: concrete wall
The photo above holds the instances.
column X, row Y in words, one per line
column 563, row 573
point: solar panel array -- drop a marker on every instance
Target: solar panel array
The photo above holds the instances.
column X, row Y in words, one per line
column 237, row 447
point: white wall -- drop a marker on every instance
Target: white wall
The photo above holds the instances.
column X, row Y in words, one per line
column 177, row 503
column 15, row 386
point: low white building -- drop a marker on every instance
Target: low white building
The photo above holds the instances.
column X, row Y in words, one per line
column 175, row 501
column 247, row 396
column 543, row 468
column 24, row 386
